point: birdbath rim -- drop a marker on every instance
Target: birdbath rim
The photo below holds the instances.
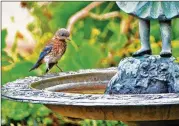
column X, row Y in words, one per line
column 21, row 90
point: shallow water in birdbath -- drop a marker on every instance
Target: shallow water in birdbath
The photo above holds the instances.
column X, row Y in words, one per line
column 92, row 89
column 90, row 83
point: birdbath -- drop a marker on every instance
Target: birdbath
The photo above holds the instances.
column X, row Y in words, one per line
column 81, row 95
column 143, row 90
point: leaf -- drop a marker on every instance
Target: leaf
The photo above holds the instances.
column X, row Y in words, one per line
column 5, row 63
column 155, row 30
column 47, row 121
column 6, row 60
column 118, row 42
column 175, row 48
column 60, row 18
column 175, row 28
column 14, row 46
column 4, row 35
column 20, row 57
column 42, row 111
column 88, row 58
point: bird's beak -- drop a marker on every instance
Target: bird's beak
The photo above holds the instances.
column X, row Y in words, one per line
column 68, row 39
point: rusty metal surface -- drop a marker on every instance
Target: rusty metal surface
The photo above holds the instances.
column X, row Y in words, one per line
column 124, row 113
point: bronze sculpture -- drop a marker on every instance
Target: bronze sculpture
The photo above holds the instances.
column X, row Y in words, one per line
column 149, row 10
column 145, row 73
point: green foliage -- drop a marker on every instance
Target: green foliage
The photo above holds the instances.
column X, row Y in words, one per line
column 102, row 123
column 3, row 35
column 82, row 58
column 69, row 7
column 21, row 110
column 175, row 29
column 19, row 70
column 47, row 121
column 95, row 44
column 6, row 59
column 30, row 113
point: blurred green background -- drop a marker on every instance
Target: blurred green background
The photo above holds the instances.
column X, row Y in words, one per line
column 97, row 42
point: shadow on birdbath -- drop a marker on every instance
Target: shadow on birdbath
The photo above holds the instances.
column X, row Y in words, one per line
column 144, row 89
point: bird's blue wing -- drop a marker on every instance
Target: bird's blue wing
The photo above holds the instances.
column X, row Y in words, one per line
column 44, row 52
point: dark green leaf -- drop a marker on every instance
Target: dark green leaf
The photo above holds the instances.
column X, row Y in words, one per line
column 3, row 35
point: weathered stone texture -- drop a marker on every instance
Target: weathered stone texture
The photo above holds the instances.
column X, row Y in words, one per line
column 145, row 75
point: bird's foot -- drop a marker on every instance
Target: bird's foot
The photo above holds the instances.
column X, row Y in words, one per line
column 59, row 68
column 142, row 52
column 165, row 54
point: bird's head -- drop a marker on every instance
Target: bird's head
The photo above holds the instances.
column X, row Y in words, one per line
column 62, row 34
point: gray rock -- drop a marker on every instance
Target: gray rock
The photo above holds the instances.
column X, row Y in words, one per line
column 145, row 75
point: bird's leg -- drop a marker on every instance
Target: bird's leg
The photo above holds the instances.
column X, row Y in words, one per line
column 59, row 67
column 144, row 31
column 47, row 65
column 165, row 29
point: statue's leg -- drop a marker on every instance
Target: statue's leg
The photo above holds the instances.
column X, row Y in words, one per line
column 144, row 31
column 165, row 29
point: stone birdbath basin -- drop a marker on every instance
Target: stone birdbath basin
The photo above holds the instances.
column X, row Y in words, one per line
column 81, row 95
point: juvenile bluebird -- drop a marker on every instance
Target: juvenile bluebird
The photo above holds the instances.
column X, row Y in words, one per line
column 54, row 50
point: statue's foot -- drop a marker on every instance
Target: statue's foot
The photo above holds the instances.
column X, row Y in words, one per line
column 165, row 54
column 142, row 52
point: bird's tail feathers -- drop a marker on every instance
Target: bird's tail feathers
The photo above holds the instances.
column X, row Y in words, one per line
column 35, row 66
